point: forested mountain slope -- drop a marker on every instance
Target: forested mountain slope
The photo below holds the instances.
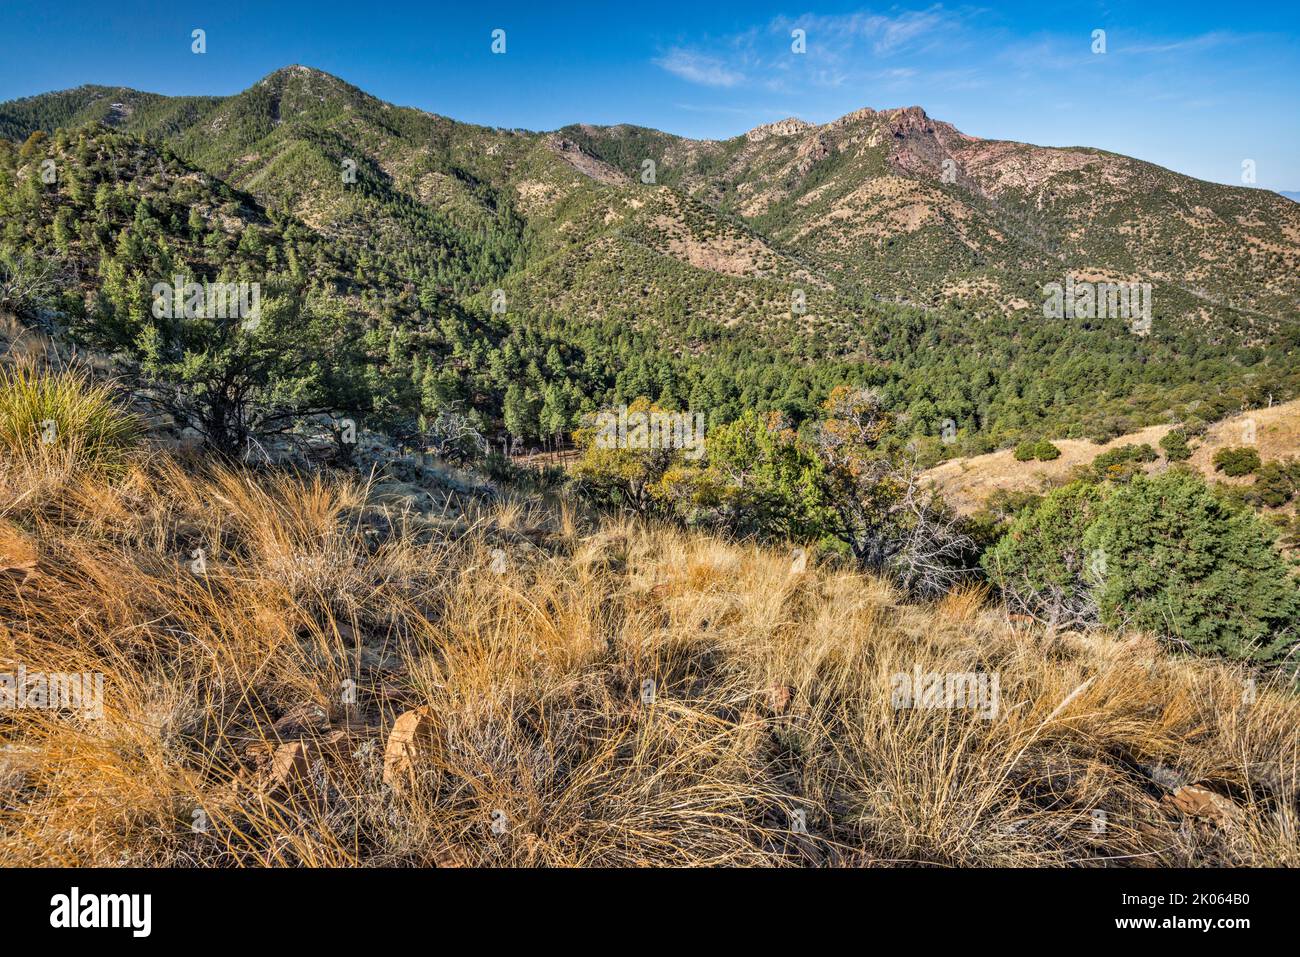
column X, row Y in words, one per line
column 885, row 247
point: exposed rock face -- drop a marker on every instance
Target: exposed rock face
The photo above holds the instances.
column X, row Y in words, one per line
column 585, row 163
column 790, row 126
column 911, row 119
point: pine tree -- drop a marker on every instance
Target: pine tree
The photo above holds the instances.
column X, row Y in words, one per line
column 1183, row 561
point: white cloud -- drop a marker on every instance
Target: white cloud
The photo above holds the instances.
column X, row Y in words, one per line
column 886, row 35
column 839, row 47
column 699, row 68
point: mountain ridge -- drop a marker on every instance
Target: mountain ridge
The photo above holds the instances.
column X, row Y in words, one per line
column 791, row 125
column 883, row 237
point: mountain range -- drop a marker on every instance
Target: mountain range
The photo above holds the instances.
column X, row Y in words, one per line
column 885, row 240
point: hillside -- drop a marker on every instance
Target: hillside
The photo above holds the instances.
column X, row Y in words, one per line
column 867, row 196
column 298, row 674
column 756, row 272
column 967, row 483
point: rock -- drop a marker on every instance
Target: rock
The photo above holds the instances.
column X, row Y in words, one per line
column 1204, row 805
column 337, row 745
column 308, row 718
column 359, row 724
column 779, row 698
column 409, row 740
column 1165, row 776
column 451, row 857
column 791, row 126
column 401, row 495
column 285, row 769
column 290, row 767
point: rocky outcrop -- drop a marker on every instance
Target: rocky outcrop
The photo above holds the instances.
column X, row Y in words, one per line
column 791, row 126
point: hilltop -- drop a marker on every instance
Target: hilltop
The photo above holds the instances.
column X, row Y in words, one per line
column 886, row 247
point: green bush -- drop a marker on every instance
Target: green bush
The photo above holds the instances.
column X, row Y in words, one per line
column 1041, row 563
column 1288, row 530
column 1275, row 483
column 1045, row 451
column 1241, row 460
column 1005, row 503
column 1182, row 561
column 1121, row 464
column 1175, row 445
column 1026, row 451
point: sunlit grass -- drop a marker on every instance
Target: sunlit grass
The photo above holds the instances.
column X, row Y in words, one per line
column 609, row 693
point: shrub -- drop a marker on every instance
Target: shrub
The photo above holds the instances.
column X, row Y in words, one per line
column 43, row 413
column 1041, row 564
column 1241, row 460
column 623, row 474
column 1026, row 451
column 1045, row 451
column 1121, row 464
column 758, row 480
column 1288, row 529
column 1182, row 561
column 26, row 283
column 1275, row 483
column 1112, row 428
column 1005, row 503
column 231, row 379
column 1175, row 445
column 889, row 518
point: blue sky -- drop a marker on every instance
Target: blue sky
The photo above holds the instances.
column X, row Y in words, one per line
column 1194, row 86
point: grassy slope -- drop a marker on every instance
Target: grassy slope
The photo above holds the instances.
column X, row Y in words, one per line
column 772, row 696
column 966, row 483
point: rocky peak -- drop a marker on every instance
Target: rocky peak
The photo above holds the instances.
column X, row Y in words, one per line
column 909, row 119
column 790, row 126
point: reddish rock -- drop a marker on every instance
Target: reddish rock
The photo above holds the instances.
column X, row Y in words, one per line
column 408, row 742
column 779, row 698
column 1204, row 805
column 290, row 767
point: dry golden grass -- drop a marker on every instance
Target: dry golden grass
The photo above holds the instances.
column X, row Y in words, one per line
column 967, row 483
column 770, row 704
